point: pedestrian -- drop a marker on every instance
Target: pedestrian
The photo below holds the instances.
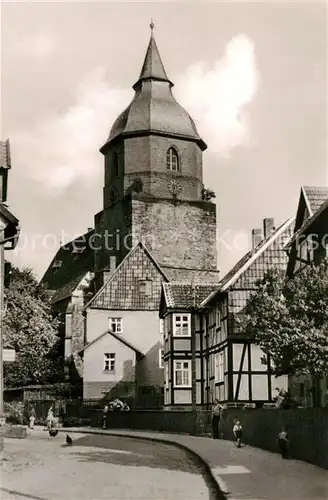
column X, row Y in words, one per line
column 216, row 415
column 31, row 419
column 105, row 412
column 237, row 430
column 50, row 418
column 280, row 398
column 283, row 443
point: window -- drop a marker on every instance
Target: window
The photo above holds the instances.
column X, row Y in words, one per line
column 172, row 160
column 166, row 378
column 310, row 253
column 219, row 367
column 161, row 326
column 109, row 362
column 218, row 317
column 115, row 325
column 181, row 324
column 145, row 287
column 182, row 373
column 161, row 358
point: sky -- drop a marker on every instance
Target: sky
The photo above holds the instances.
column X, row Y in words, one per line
column 251, row 74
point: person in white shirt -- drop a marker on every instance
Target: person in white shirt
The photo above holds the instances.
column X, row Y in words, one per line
column 237, row 430
column 216, row 416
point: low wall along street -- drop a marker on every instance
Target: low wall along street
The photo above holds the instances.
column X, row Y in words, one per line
column 307, row 428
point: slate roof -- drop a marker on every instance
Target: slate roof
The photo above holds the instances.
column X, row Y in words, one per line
column 153, row 108
column 100, row 299
column 185, row 295
column 243, row 264
column 117, row 337
column 185, row 275
column 315, row 197
column 153, row 67
column 68, row 267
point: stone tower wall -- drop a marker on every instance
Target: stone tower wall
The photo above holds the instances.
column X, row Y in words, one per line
column 178, row 234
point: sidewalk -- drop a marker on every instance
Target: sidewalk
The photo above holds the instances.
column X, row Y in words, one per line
column 247, row 473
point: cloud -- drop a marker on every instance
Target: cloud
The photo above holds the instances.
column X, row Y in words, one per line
column 40, row 45
column 64, row 148
column 216, row 96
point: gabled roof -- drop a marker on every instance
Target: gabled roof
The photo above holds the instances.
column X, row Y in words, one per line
column 117, row 337
column 69, row 266
column 186, row 295
column 315, row 196
column 307, row 224
column 112, row 276
column 246, row 261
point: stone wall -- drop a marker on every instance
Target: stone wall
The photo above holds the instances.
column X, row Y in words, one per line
column 180, row 234
column 145, row 157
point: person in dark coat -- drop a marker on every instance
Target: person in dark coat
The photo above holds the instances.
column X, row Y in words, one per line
column 105, row 414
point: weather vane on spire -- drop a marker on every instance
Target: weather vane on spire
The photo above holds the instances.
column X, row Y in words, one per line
column 152, row 25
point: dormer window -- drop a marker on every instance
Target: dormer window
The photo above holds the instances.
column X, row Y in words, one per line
column 172, row 160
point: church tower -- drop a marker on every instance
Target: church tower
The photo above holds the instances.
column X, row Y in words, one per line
column 154, row 189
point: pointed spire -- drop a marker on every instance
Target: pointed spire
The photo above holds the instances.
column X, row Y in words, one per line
column 153, row 67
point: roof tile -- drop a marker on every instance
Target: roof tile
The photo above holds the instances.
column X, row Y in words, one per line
column 316, row 196
column 186, row 295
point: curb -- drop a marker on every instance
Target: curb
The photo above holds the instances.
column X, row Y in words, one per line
column 212, row 482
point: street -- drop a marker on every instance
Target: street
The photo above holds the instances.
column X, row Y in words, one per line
column 98, row 467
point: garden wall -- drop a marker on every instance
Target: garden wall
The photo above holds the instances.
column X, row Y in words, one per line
column 307, row 428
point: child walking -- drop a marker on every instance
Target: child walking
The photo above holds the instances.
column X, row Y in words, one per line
column 237, row 430
column 31, row 419
column 283, row 443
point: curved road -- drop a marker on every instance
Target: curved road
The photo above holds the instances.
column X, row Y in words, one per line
column 99, row 467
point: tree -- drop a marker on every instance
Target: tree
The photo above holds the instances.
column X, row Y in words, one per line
column 30, row 329
column 288, row 319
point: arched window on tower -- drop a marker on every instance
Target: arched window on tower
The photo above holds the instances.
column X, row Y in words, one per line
column 172, row 160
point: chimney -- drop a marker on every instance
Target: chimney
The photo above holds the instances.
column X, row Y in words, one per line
column 268, row 227
column 256, row 237
column 112, row 263
column 112, row 266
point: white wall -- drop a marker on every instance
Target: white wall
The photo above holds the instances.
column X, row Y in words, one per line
column 141, row 328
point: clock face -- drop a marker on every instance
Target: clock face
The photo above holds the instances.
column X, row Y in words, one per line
column 174, row 187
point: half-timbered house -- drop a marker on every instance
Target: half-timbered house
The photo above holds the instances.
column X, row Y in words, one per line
column 183, row 343
column 309, row 246
column 207, row 356
column 310, row 241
